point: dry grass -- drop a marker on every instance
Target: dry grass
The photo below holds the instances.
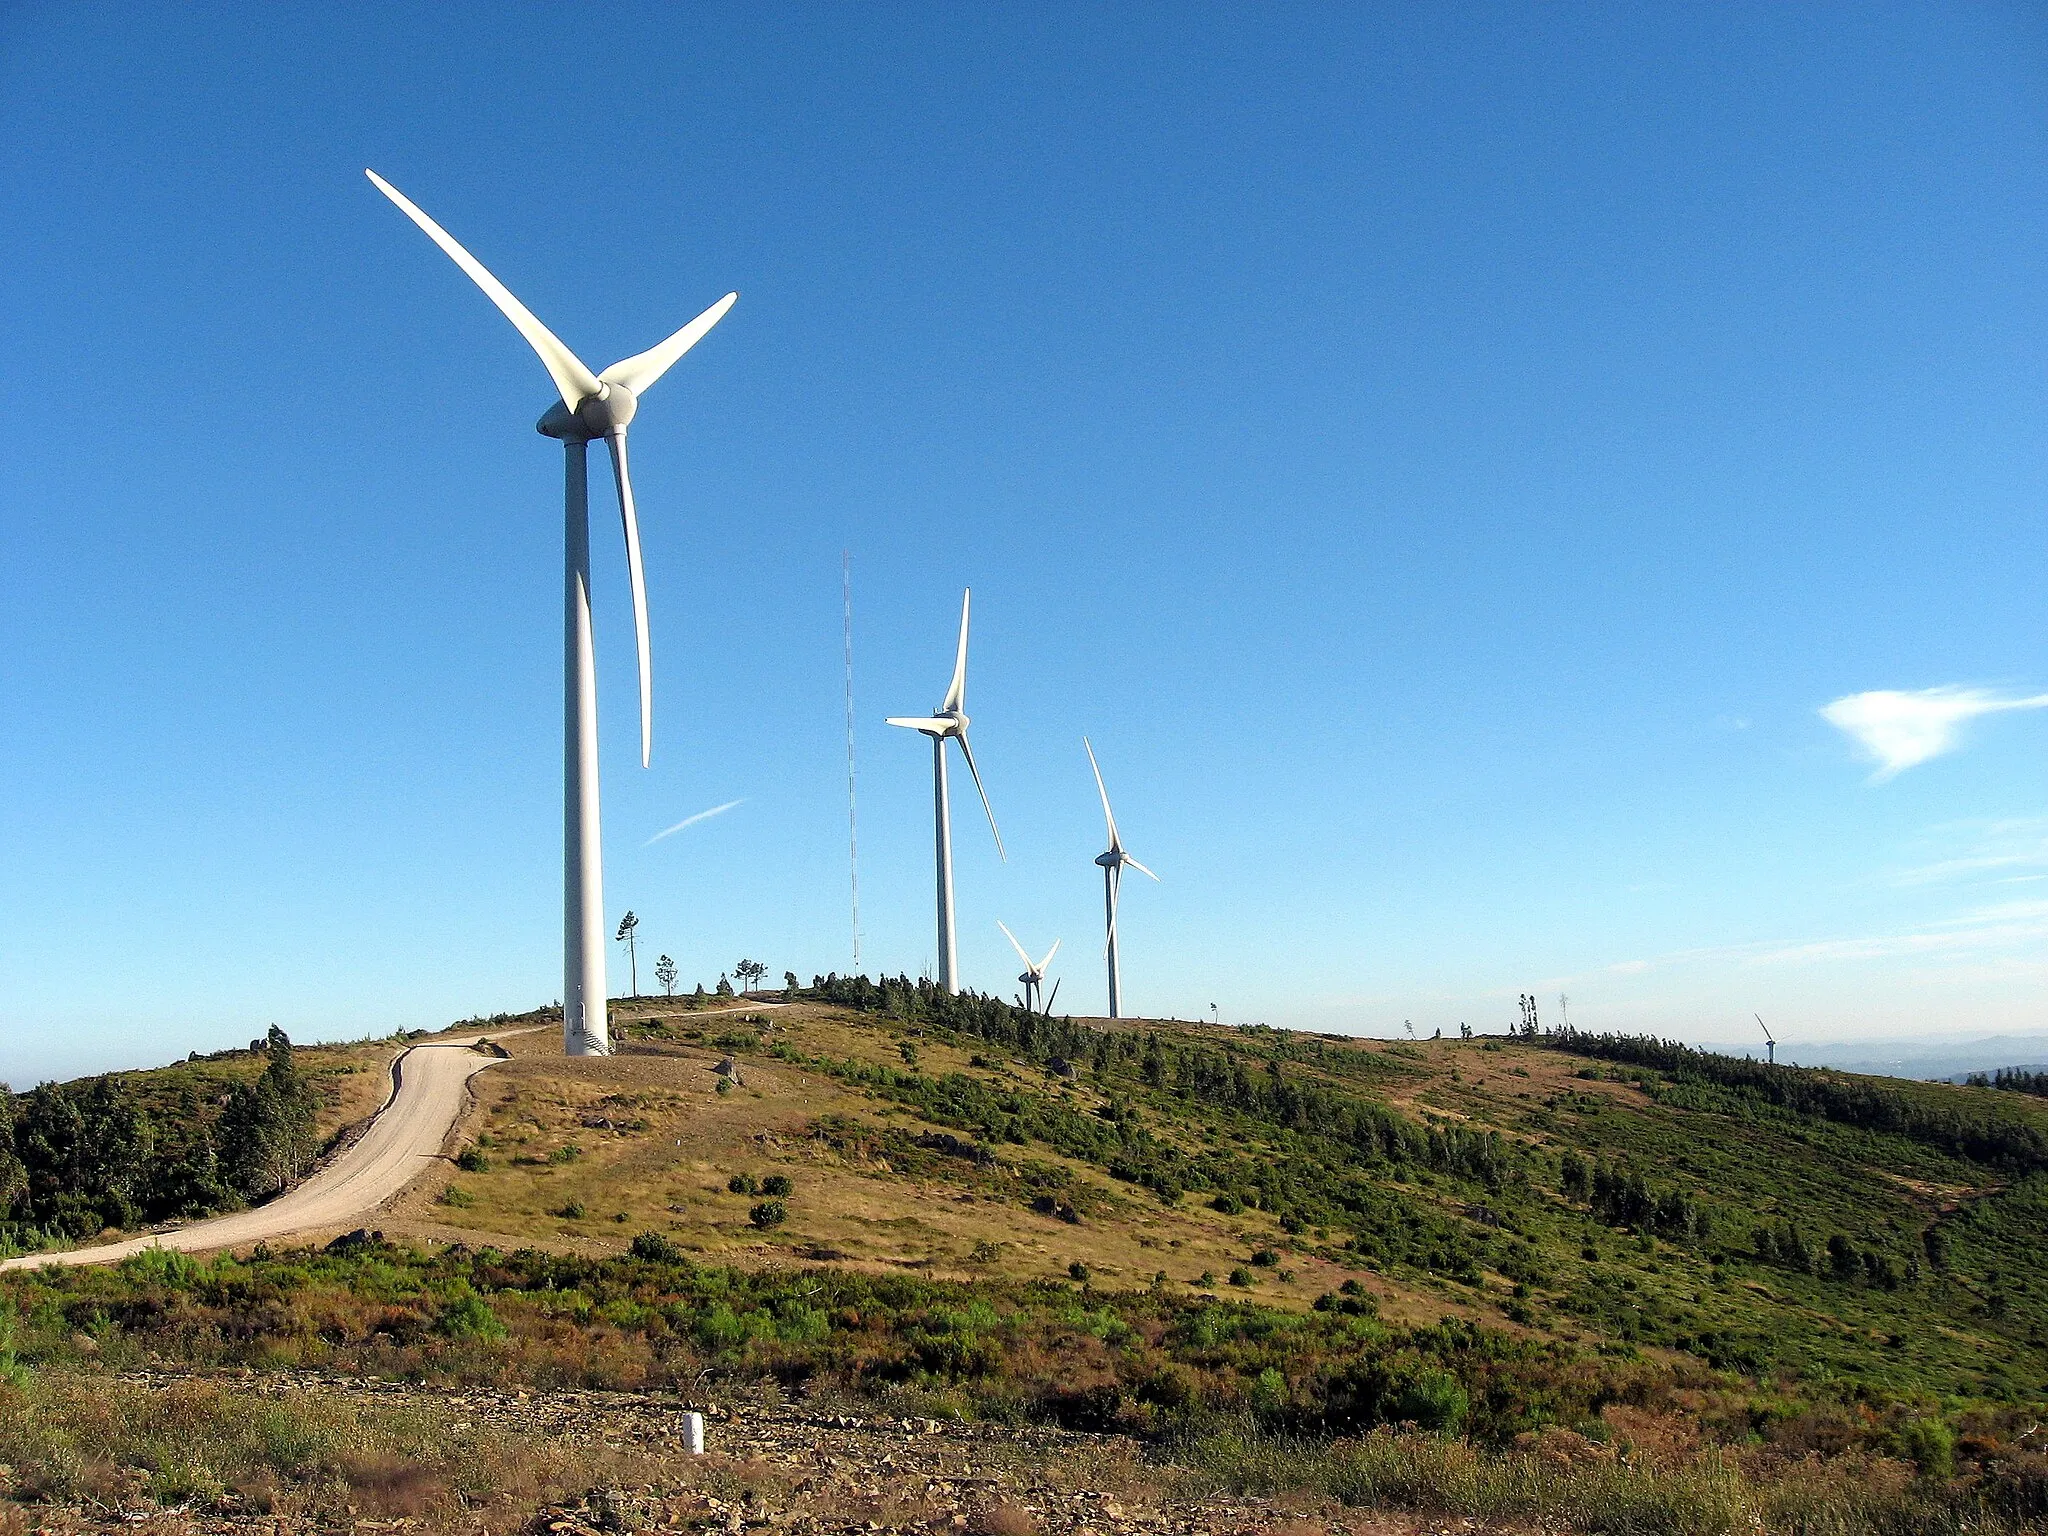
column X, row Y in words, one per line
column 120, row 1445
column 1003, row 1517
column 1667, row 1492
column 669, row 1174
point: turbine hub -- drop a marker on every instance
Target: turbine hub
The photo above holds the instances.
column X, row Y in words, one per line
column 609, row 412
column 594, row 416
column 1109, row 860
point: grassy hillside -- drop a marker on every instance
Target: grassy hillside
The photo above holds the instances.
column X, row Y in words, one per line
column 1560, row 1247
column 1870, row 1230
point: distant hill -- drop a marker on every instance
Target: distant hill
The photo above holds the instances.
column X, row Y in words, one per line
column 1923, row 1059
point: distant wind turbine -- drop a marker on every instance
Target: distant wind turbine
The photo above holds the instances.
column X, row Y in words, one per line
column 1112, row 860
column 1770, row 1041
column 1034, row 975
column 949, row 720
column 592, row 405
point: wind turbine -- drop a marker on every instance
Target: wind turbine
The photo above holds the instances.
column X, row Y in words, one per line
column 949, row 720
column 1034, row 975
column 592, row 405
column 1112, row 860
column 1770, row 1041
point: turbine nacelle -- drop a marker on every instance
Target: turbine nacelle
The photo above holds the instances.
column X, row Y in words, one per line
column 938, row 726
column 604, row 414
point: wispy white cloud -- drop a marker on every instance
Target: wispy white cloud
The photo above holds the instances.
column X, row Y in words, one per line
column 691, row 821
column 2001, row 926
column 1900, row 729
column 2012, row 851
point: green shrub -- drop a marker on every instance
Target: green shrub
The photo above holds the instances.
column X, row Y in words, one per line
column 1228, row 1204
column 742, row 1184
column 769, row 1213
column 161, row 1266
column 1930, row 1445
column 1432, row 1400
column 1269, row 1391
column 472, row 1160
column 656, row 1249
column 466, row 1315
column 778, row 1186
column 569, row 1210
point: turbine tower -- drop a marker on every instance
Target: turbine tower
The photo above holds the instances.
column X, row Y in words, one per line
column 949, row 720
column 592, row 405
column 1034, row 975
column 1112, row 860
column 1770, row 1042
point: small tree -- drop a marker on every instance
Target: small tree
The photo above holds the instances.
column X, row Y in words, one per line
column 724, row 987
column 629, row 936
column 789, row 981
column 665, row 973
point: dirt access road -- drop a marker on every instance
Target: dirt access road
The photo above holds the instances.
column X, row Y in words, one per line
column 430, row 1086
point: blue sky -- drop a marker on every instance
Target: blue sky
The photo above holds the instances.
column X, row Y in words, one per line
column 1445, row 457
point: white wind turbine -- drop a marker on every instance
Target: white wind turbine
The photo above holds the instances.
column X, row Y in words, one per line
column 1112, row 860
column 593, row 405
column 950, row 720
column 1034, row 975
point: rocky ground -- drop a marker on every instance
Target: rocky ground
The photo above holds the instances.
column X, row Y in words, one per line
column 771, row 1469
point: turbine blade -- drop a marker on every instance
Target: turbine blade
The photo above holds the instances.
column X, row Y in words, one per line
column 627, row 516
column 968, row 753
column 956, row 691
column 639, row 371
column 575, row 382
column 1014, row 944
column 923, row 723
column 1115, row 846
column 1048, row 955
column 1047, row 1011
column 1141, row 869
column 1116, row 885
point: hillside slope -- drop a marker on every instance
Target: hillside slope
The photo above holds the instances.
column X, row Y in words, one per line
column 1622, row 1198
column 1588, row 1283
